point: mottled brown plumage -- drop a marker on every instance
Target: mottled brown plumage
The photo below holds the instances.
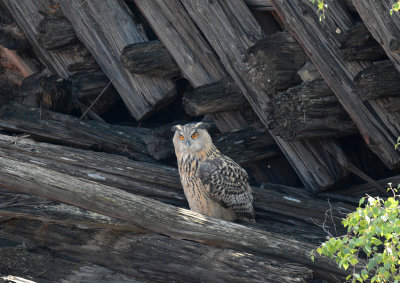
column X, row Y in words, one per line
column 213, row 183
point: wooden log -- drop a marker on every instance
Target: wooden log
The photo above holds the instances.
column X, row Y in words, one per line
column 149, row 58
column 358, row 44
column 105, row 39
column 46, row 125
column 377, row 126
column 55, row 31
column 30, row 208
column 232, row 30
column 272, row 68
column 314, row 111
column 385, row 28
column 220, row 96
column 21, row 257
column 155, row 216
column 156, row 258
column 378, row 81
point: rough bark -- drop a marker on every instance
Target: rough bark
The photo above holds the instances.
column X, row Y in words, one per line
column 232, row 30
column 307, row 111
column 377, row 126
column 149, row 58
column 105, row 38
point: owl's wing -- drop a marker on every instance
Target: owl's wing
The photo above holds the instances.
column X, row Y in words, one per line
column 227, row 183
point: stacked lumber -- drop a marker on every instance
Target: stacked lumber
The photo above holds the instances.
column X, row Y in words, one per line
column 89, row 91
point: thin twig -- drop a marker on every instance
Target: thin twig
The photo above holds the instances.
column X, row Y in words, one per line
column 97, row 98
column 330, row 210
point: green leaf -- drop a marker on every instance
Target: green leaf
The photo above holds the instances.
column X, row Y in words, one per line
column 361, row 201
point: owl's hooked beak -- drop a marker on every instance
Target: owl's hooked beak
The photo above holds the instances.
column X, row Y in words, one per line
column 188, row 143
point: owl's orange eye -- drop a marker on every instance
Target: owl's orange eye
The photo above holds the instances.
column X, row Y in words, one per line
column 182, row 137
column 194, row 135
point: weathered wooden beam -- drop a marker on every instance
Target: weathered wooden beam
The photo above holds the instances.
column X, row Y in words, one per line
column 46, row 125
column 20, row 256
column 155, row 258
column 231, row 29
column 153, row 215
column 358, row 44
column 310, row 110
column 385, row 28
column 321, row 42
column 378, row 81
column 215, row 97
column 149, row 58
column 105, row 38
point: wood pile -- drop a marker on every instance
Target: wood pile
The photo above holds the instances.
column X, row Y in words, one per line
column 89, row 91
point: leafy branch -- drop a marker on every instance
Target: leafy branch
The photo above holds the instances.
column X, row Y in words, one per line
column 373, row 231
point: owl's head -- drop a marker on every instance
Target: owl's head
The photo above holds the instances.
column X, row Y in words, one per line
column 191, row 138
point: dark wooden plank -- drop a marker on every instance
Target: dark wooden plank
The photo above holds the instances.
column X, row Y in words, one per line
column 150, row 58
column 46, row 125
column 321, row 42
column 231, row 30
column 314, row 111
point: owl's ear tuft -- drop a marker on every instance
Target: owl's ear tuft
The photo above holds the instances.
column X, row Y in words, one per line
column 202, row 125
column 176, row 128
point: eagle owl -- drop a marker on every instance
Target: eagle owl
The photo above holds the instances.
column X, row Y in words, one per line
column 213, row 183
